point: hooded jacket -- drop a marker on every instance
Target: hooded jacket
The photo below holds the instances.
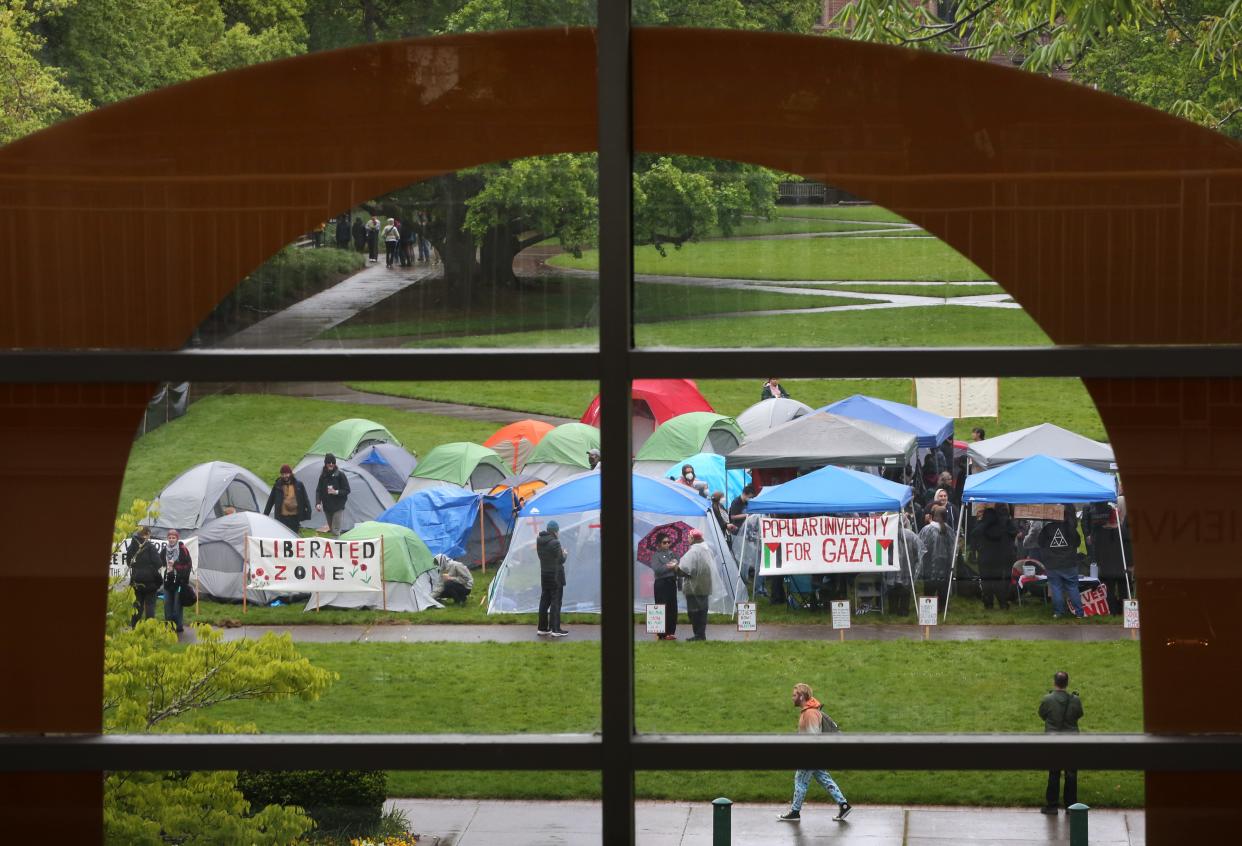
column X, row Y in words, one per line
column 145, row 562
column 996, row 543
column 1058, row 545
column 810, row 720
column 337, row 480
column 551, row 558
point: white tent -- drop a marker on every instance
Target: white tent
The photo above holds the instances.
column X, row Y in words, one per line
column 1044, row 439
column 222, row 552
column 770, row 413
column 367, row 497
column 205, row 492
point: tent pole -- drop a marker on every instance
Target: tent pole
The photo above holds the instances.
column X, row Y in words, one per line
column 245, row 567
column 948, row 591
column 482, row 537
column 383, row 580
column 914, row 594
column 1121, row 542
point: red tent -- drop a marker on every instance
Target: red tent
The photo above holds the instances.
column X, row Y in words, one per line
column 655, row 401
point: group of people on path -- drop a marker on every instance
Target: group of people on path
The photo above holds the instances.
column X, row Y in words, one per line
column 405, row 241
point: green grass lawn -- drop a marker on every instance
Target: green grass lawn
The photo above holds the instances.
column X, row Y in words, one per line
column 781, row 225
column 984, row 686
column 866, row 212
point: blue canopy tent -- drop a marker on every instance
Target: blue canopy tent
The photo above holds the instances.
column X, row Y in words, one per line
column 581, row 493
column 710, row 467
column 930, row 429
column 464, row 524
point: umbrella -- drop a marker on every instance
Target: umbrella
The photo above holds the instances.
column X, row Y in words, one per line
column 678, row 533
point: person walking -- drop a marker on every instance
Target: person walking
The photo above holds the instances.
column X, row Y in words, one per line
column 696, row 565
column 1060, row 710
column 811, row 719
column 1058, row 551
column 289, row 499
column 331, row 494
column 664, row 565
column 177, row 568
column 551, row 580
column 144, row 562
column 455, row 580
column 373, row 230
column 937, row 540
column 424, row 246
column 392, row 240
column 996, row 554
column 359, row 231
column 407, row 242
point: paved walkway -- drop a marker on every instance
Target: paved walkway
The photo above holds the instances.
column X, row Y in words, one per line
column 448, row 822
column 515, row 633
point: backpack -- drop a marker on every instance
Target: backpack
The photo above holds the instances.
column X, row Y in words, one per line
column 827, row 725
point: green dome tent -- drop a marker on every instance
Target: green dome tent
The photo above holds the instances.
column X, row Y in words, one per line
column 563, row 452
column 687, row 434
column 345, row 438
column 408, row 572
column 463, row 464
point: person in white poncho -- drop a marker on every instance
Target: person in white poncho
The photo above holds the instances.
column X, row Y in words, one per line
column 696, row 567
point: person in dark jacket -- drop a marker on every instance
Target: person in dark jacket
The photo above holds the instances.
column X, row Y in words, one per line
column 1058, row 551
column 1060, row 710
column 331, row 494
column 144, row 562
column 996, row 535
column 1105, row 539
column 664, row 565
column 551, row 580
column 342, row 231
column 773, row 389
column 177, row 568
column 359, row 231
column 289, row 499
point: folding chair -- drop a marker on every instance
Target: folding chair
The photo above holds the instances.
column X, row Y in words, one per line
column 1025, row 567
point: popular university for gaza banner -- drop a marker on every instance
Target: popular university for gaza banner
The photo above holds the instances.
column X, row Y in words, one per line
column 794, row 545
column 309, row 565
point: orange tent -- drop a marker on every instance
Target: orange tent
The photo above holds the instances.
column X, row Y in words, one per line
column 515, row 442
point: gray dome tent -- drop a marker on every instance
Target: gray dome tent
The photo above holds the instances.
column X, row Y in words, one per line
column 770, row 413
column 222, row 552
column 367, row 497
column 391, row 464
column 205, row 492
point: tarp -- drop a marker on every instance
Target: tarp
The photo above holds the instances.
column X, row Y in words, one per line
column 665, row 398
column 390, row 464
column 1044, row 439
column 222, row 551
column 710, row 467
column 931, row 429
column 769, row 413
column 463, row 464
column 689, row 434
column 1040, row 479
column 205, row 492
column 832, row 490
column 367, row 497
column 581, row 493
column 408, row 570
column 447, row 521
column 515, row 442
column 562, row 452
column 814, row 440
column 345, row 438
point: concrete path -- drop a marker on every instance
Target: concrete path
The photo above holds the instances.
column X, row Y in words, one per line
column 522, row 633
column 449, row 822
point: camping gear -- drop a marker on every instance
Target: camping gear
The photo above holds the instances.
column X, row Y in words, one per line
column 348, row 437
column 770, row 413
column 367, row 497
column 515, row 442
column 203, row 493
column 222, row 553
column 655, row 402
column 931, row 429
column 574, row 504
column 390, row 464
column 815, row 440
column 710, row 468
column 462, row 464
column 458, row 523
column 687, row 434
column 563, row 452
column 408, row 573
column 1044, row 439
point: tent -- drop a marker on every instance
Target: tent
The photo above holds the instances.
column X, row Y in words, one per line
column 563, row 452
column 769, row 413
column 574, row 504
column 710, row 467
column 655, row 401
column 1044, row 439
column 687, row 434
column 459, row 523
column 408, row 573
column 367, row 497
column 222, row 553
column 390, row 464
column 832, row 490
column 1040, row 479
column 460, row 464
column 931, row 429
column 515, row 442
column 348, row 437
column 205, row 492
column 814, row 440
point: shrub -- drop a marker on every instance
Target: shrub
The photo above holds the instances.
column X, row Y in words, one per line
column 344, row 803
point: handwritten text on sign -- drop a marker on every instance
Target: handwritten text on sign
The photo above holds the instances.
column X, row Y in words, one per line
column 747, row 617
column 307, row 565
column 792, row 545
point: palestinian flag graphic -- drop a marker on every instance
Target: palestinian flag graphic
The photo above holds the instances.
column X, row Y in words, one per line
column 883, row 550
column 771, row 556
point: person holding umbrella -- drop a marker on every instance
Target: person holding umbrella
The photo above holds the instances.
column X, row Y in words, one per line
column 664, row 565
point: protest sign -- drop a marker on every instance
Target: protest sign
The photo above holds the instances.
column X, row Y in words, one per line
column 841, row 614
column 747, row 617
column 117, row 568
column 1095, row 602
column 309, row 565
column 929, row 607
column 794, row 545
column 655, row 619
column 1032, row 511
column 1131, row 619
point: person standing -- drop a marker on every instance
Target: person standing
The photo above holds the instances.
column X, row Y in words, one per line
column 687, row 476
column 1060, row 710
column 696, row 565
column 551, row 580
column 342, row 231
column 1106, row 539
column 455, row 580
column 144, row 562
column 664, row 565
column 177, row 568
column 811, row 721
column 424, row 246
column 1058, row 551
column 897, row 584
column 721, row 513
column 359, row 231
column 373, row 230
column 392, row 239
column 289, row 499
column 996, row 554
column 593, row 458
column 937, row 540
column 331, row 494
column 772, row 389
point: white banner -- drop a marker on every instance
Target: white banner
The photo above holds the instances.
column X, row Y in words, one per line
column 973, row 397
column 117, row 568
column 795, row 545
column 309, row 565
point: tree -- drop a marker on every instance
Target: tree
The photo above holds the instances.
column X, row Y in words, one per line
column 32, row 95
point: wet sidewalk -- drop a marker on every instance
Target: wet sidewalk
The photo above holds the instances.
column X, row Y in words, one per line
column 447, row 822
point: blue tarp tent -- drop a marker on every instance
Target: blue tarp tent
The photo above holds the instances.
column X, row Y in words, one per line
column 710, row 467
column 931, row 429
column 1040, row 479
column 447, row 520
column 581, row 493
column 831, row 490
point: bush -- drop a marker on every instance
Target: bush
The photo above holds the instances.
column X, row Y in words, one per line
column 344, row 803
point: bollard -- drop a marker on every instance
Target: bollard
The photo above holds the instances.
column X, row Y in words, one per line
column 1078, row 824
column 722, row 825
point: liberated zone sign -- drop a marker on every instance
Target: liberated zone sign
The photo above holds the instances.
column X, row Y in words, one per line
column 793, row 545
column 309, row 565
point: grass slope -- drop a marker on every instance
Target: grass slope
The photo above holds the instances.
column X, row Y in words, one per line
column 863, row 212
column 916, row 290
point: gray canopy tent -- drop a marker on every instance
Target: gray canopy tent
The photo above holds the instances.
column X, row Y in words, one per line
column 1044, row 439
column 819, row 439
column 206, row 492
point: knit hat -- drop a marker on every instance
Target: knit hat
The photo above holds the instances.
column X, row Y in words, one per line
column 285, row 468
column 554, row 526
column 329, row 459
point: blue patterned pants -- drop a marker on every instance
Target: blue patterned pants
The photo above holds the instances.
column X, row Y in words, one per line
column 802, row 780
